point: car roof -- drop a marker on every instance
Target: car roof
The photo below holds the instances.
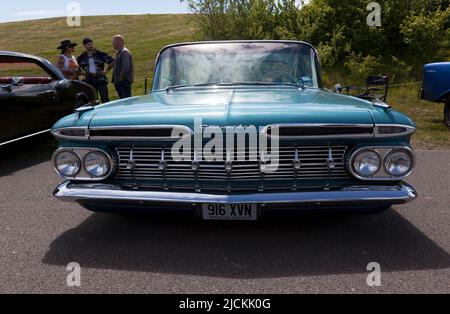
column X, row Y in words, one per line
column 47, row 65
column 237, row 41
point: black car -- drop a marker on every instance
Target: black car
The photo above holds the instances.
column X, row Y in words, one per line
column 34, row 94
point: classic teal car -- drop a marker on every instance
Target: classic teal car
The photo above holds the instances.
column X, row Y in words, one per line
column 233, row 130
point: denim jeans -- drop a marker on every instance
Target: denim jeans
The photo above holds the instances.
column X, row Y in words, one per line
column 123, row 89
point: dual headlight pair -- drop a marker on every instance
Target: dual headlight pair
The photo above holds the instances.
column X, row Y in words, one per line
column 82, row 164
column 382, row 163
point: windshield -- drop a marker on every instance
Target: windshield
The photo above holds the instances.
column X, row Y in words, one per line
column 246, row 63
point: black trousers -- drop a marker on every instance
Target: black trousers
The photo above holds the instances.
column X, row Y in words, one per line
column 123, row 89
column 101, row 86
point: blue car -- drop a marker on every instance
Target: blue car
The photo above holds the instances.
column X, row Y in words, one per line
column 233, row 130
column 436, row 86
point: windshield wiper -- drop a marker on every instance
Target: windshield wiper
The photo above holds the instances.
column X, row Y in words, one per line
column 251, row 84
column 171, row 88
column 299, row 85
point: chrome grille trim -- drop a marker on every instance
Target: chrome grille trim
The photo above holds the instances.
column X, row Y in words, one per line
column 314, row 165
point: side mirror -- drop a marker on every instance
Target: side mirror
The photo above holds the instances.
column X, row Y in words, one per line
column 374, row 80
column 338, row 89
column 15, row 81
column 377, row 80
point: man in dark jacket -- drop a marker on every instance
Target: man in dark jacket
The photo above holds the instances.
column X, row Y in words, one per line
column 92, row 62
column 123, row 75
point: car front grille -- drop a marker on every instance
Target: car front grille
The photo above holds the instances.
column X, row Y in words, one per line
column 298, row 166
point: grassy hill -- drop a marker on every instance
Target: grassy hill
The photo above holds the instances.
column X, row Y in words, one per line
column 147, row 34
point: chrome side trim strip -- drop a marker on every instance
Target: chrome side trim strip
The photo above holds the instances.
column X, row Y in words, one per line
column 111, row 194
column 58, row 133
column 25, row 137
column 408, row 130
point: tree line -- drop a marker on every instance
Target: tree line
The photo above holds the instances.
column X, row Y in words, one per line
column 412, row 32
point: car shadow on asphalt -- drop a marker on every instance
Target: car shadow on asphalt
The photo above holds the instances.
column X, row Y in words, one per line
column 282, row 247
column 26, row 153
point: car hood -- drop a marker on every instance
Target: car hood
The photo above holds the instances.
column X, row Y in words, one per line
column 218, row 107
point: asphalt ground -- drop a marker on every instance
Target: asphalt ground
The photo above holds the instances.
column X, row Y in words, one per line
column 40, row 236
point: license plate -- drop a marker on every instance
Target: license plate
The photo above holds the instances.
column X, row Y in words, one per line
column 242, row 212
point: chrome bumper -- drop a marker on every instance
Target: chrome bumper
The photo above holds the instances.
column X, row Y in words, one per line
column 104, row 194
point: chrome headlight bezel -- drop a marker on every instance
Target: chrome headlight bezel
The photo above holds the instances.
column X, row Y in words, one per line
column 106, row 160
column 359, row 155
column 388, row 157
column 76, row 159
column 383, row 152
column 83, row 174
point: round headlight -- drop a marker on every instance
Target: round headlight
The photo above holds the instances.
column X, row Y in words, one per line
column 398, row 163
column 68, row 164
column 366, row 163
column 97, row 164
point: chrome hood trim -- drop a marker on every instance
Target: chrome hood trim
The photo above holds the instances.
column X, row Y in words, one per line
column 339, row 131
column 128, row 133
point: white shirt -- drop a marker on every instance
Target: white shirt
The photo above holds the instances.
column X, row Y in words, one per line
column 92, row 66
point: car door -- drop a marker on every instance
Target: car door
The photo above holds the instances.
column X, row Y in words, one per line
column 29, row 105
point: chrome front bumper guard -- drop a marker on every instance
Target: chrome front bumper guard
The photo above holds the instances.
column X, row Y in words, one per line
column 106, row 194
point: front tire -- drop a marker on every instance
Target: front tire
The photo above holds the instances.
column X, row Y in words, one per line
column 447, row 114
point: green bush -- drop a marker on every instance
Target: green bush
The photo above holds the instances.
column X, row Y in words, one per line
column 413, row 32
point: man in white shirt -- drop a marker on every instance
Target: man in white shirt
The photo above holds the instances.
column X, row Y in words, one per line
column 92, row 62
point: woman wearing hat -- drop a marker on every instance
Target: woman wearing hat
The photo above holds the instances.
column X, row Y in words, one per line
column 67, row 63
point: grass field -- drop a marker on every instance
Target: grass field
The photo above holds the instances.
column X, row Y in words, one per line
column 147, row 34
